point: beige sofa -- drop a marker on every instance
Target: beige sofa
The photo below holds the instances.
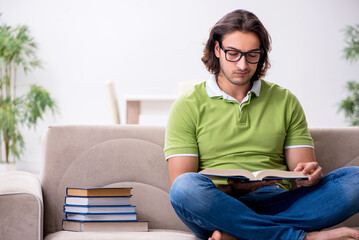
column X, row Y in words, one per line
column 120, row 155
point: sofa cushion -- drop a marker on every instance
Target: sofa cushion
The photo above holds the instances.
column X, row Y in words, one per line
column 20, row 206
column 153, row 234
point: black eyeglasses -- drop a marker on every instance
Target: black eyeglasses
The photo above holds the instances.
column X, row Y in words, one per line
column 252, row 57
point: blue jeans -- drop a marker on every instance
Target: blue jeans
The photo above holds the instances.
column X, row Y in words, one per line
column 269, row 212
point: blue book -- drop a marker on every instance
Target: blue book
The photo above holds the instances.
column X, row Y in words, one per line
column 99, row 209
column 101, row 216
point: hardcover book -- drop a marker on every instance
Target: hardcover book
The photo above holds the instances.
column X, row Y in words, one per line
column 251, row 176
column 98, row 192
column 75, row 200
column 98, row 209
column 123, row 226
column 101, row 216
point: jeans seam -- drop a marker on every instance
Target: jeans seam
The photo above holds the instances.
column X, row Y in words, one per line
column 201, row 218
column 215, row 226
column 192, row 214
column 302, row 235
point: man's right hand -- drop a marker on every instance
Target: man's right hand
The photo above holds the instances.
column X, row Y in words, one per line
column 239, row 188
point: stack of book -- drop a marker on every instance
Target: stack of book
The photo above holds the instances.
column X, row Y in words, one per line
column 100, row 209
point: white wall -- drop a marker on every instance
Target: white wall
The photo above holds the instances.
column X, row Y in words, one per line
column 149, row 46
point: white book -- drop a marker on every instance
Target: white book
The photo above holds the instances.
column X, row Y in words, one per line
column 98, row 200
column 127, row 226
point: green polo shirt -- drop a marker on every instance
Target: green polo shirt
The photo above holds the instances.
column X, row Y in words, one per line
column 226, row 134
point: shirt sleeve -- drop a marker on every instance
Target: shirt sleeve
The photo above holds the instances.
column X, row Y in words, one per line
column 298, row 134
column 180, row 138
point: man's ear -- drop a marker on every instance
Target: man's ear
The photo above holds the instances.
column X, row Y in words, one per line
column 216, row 48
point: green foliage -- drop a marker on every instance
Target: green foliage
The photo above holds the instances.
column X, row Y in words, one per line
column 350, row 105
column 17, row 50
column 9, row 122
column 351, row 51
column 37, row 102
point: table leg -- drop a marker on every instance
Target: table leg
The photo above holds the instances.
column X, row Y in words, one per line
column 133, row 112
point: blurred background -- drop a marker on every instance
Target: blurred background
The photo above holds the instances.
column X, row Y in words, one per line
column 148, row 48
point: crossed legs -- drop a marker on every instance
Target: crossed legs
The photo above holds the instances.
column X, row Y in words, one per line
column 295, row 214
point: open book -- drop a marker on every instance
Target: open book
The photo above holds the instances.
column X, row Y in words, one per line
column 251, row 176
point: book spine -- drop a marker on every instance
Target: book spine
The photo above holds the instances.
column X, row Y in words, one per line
column 110, row 213
column 105, row 206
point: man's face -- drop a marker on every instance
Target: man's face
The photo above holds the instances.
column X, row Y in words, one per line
column 238, row 73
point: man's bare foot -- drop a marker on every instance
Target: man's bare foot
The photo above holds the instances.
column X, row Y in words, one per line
column 342, row 233
column 217, row 235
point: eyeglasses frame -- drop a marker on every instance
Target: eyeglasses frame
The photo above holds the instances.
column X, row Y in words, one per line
column 242, row 54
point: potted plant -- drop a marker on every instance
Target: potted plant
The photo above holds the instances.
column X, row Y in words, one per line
column 350, row 105
column 17, row 52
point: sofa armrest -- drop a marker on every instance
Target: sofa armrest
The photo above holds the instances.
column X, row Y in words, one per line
column 21, row 206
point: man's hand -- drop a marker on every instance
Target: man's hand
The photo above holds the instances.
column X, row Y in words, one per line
column 313, row 170
column 239, row 188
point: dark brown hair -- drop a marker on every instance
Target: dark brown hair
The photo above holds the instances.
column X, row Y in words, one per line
column 243, row 21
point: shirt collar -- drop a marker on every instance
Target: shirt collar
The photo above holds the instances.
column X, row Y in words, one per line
column 213, row 89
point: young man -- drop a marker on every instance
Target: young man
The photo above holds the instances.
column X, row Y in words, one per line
column 236, row 120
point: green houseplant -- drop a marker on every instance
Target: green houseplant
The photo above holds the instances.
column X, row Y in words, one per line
column 17, row 52
column 350, row 105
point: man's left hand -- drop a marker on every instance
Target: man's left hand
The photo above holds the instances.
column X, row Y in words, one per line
column 313, row 170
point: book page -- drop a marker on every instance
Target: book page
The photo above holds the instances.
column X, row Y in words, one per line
column 228, row 173
column 278, row 174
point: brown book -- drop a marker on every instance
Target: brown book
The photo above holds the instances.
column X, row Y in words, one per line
column 123, row 226
column 98, row 192
column 251, row 176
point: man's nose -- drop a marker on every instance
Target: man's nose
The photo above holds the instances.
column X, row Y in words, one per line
column 242, row 63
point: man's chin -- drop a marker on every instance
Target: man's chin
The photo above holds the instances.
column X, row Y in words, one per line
column 240, row 82
column 237, row 80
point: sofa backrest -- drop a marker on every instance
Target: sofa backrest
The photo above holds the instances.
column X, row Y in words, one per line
column 132, row 155
column 107, row 156
column 336, row 147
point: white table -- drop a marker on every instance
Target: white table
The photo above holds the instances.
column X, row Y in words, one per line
column 134, row 105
